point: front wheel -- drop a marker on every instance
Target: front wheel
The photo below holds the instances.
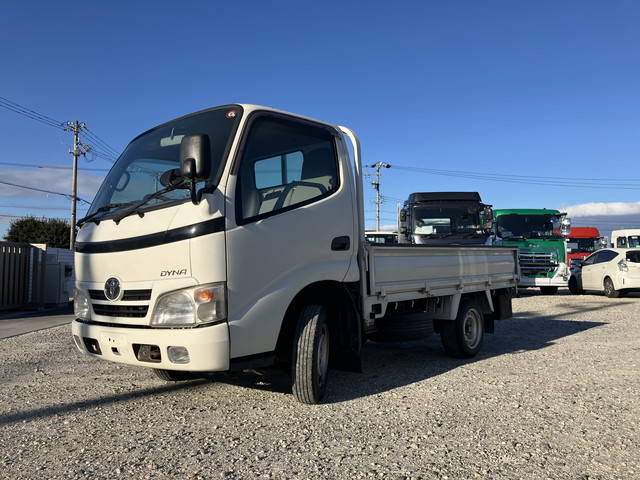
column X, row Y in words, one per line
column 172, row 375
column 574, row 288
column 609, row 290
column 462, row 337
column 548, row 290
column 310, row 362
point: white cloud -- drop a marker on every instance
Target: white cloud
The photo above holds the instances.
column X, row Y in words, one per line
column 603, row 209
column 47, row 179
column 388, row 228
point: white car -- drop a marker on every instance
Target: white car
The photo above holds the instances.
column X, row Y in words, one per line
column 614, row 271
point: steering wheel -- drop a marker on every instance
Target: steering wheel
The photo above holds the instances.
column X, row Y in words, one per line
column 292, row 185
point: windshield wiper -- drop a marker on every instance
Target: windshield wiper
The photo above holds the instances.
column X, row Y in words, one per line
column 104, row 208
column 135, row 206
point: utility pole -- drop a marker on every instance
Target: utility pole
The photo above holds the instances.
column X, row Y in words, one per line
column 79, row 149
column 376, row 186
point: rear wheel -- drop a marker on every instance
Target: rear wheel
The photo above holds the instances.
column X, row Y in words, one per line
column 172, row 375
column 548, row 290
column 574, row 288
column 310, row 362
column 609, row 290
column 462, row 337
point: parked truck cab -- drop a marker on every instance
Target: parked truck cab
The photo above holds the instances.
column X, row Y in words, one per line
column 234, row 238
column 582, row 242
column 539, row 235
column 445, row 218
column 625, row 238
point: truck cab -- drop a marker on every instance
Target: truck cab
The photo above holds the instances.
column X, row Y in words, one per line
column 582, row 242
column 625, row 238
column 445, row 218
column 539, row 235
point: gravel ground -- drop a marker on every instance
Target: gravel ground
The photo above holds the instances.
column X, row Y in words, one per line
column 555, row 394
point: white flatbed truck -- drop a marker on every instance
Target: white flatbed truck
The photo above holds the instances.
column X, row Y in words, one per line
column 233, row 238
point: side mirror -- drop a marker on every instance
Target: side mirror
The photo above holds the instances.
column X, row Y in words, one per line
column 195, row 158
column 565, row 226
column 195, row 162
column 403, row 215
column 487, row 218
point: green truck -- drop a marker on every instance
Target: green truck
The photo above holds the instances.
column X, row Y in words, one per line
column 540, row 235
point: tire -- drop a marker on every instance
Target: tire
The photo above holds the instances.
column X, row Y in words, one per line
column 574, row 288
column 548, row 290
column 402, row 328
column 172, row 375
column 310, row 356
column 462, row 337
column 609, row 290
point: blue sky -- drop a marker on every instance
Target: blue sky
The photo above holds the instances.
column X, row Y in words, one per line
column 541, row 88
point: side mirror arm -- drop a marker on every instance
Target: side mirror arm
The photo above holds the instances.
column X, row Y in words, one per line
column 188, row 171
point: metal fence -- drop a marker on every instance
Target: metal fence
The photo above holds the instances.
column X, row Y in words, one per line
column 22, row 275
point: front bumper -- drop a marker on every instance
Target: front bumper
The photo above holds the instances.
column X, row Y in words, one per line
column 556, row 281
column 208, row 347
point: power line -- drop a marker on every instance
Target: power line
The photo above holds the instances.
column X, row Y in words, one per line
column 55, row 167
column 44, row 191
column 99, row 154
column 38, row 207
column 97, row 140
column 590, row 179
column 2, row 215
column 29, row 113
column 522, row 179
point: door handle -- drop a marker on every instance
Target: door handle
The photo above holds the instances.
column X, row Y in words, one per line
column 341, row 243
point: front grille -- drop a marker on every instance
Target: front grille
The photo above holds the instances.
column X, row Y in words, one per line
column 127, row 296
column 97, row 295
column 130, row 311
column 133, row 295
column 536, row 263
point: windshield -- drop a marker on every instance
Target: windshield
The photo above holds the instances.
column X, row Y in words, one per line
column 137, row 172
column 528, row 226
column 634, row 241
column 583, row 245
column 445, row 221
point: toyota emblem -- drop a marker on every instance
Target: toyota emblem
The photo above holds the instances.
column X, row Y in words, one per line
column 112, row 288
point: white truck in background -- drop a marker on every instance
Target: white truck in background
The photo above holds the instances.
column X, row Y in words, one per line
column 234, row 238
column 625, row 238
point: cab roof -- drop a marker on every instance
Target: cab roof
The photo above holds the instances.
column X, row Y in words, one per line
column 584, row 232
column 525, row 211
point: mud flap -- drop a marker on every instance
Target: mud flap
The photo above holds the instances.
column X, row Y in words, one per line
column 502, row 308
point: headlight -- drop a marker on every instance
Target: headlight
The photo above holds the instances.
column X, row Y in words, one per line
column 191, row 306
column 81, row 307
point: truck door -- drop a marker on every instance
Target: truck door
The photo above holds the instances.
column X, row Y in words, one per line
column 291, row 224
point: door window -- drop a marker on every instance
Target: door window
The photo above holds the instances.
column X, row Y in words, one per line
column 606, row 256
column 633, row 257
column 621, row 242
column 590, row 260
column 285, row 164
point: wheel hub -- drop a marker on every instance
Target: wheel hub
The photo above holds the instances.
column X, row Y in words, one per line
column 471, row 329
